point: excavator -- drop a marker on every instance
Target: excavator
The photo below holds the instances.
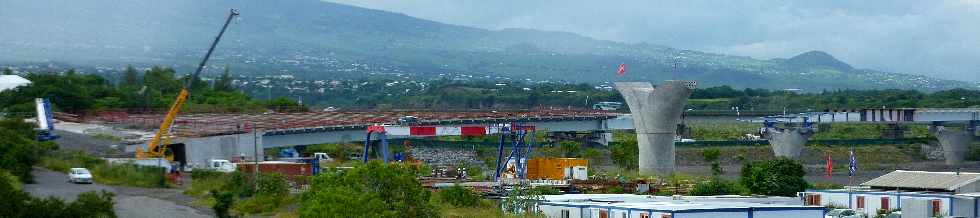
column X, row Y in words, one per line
column 157, row 148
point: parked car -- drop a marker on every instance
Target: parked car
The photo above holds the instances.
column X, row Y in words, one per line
column 79, row 175
column 843, row 213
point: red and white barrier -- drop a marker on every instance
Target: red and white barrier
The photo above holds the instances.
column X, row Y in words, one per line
column 422, row 131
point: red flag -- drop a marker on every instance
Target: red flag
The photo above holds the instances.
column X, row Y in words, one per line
column 622, row 69
column 830, row 166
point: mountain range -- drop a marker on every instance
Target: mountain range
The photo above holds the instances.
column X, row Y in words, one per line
column 323, row 40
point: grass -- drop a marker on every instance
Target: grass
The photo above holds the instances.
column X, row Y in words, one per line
column 107, row 137
column 204, row 181
column 117, row 174
column 486, row 208
column 201, row 187
column 130, row 175
column 265, row 205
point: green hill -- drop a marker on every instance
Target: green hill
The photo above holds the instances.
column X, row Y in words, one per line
column 321, row 40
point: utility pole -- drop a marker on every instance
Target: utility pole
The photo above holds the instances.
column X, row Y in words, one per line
column 255, row 154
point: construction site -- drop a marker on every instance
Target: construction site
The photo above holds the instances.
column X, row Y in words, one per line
column 175, row 144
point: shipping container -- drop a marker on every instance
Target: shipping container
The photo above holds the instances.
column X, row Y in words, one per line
column 557, row 168
column 298, row 173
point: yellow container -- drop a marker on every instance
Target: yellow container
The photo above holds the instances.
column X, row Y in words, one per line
column 553, row 168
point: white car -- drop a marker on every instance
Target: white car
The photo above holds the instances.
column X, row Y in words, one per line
column 79, row 175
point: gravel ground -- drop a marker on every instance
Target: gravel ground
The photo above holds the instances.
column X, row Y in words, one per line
column 130, row 201
column 78, row 141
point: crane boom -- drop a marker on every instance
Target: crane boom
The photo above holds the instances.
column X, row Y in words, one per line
column 156, row 149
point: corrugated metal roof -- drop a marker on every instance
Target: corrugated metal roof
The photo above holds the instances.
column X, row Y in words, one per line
column 949, row 181
column 12, row 81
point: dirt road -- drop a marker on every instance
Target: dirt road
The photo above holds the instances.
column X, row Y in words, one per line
column 130, row 202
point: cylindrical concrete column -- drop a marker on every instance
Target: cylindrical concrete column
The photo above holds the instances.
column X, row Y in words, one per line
column 788, row 142
column 955, row 144
column 656, row 112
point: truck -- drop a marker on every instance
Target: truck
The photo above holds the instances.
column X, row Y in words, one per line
column 221, row 165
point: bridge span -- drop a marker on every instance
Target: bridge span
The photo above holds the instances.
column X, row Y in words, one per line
column 203, row 136
column 199, row 137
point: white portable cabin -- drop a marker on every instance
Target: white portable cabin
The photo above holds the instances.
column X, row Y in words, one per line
column 947, row 193
column 641, row 206
column 870, row 201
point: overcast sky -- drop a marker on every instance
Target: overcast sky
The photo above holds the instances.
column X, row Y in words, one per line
column 936, row 38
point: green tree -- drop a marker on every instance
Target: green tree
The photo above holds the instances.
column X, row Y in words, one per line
column 370, row 190
column 130, row 78
column 8, row 71
column 570, row 149
column 624, row 153
column 162, row 80
column 18, row 149
column 711, row 156
column 224, row 82
column 284, row 104
column 781, row 176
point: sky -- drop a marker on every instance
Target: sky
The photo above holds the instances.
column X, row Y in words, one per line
column 934, row 38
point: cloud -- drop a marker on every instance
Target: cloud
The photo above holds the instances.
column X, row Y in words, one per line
column 935, row 38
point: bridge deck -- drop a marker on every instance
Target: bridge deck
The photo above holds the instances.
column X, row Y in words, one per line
column 209, row 124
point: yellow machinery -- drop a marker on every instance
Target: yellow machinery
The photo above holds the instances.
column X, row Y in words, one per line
column 157, row 147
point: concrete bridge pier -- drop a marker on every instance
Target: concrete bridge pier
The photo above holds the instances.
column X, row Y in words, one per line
column 601, row 138
column 656, row 113
column 955, row 143
column 787, row 142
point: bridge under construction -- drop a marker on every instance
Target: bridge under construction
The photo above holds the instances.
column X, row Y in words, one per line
column 199, row 137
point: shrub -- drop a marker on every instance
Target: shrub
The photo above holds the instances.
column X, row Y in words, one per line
column 711, row 156
column 6, row 177
column 570, row 149
column 18, row 149
column 92, row 204
column 206, row 174
column 458, row 196
column 17, row 203
column 473, row 171
column 61, row 161
column 130, row 175
column 716, row 186
column 260, row 204
column 222, row 202
column 624, row 154
column 272, row 184
column 521, row 200
column 200, row 187
column 369, row 190
column 239, row 185
column 781, row 176
column 546, row 190
column 616, row 190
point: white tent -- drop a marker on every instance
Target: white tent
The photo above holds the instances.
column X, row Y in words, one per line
column 12, row 81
